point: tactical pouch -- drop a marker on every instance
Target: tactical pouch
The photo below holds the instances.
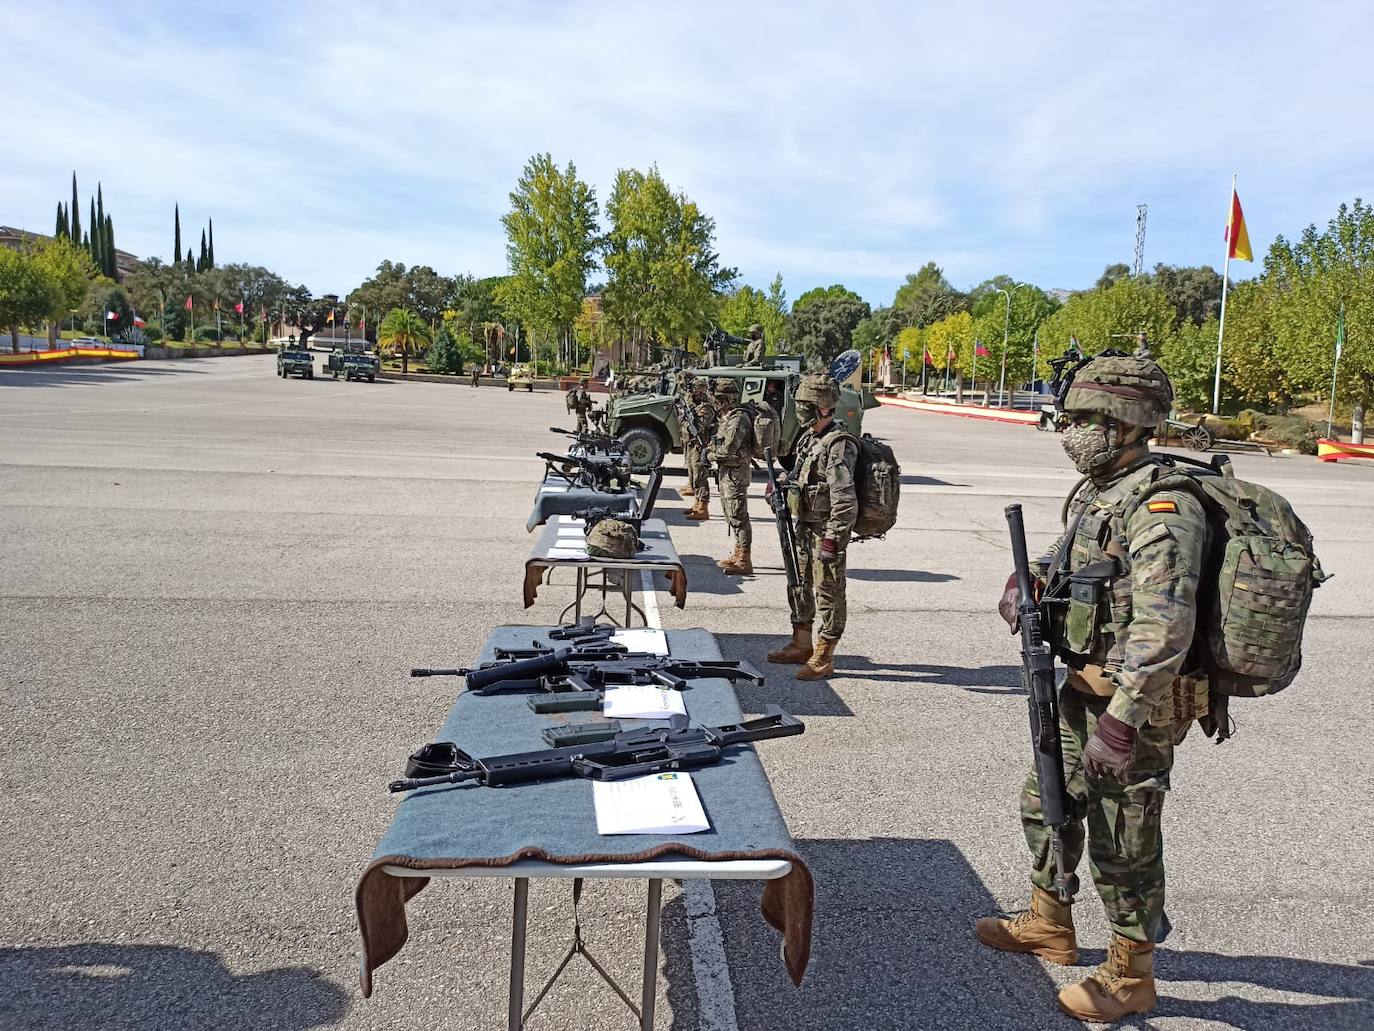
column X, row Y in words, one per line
column 1082, row 620
column 1185, row 702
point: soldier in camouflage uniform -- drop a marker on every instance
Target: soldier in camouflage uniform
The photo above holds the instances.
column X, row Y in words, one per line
column 1124, row 630
column 698, row 462
column 753, row 354
column 730, row 451
column 580, row 402
column 823, row 500
column 682, row 397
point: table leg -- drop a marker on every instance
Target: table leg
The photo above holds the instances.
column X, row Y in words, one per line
column 515, row 1007
column 581, row 589
column 651, row 934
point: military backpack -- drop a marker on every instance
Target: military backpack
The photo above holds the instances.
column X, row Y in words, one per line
column 763, row 423
column 1257, row 583
column 878, row 484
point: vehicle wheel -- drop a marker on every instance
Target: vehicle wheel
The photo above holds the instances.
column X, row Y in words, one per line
column 510, row 387
column 372, row 377
column 529, row 388
column 644, row 448
column 309, row 373
column 1199, row 438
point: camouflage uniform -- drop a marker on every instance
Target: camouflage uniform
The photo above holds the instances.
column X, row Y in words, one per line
column 698, row 463
column 753, row 354
column 825, row 504
column 580, row 402
column 730, row 451
column 1123, row 655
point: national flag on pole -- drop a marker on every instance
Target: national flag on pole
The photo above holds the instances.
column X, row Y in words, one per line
column 330, row 317
column 928, row 359
column 113, row 316
column 139, row 322
column 1237, row 239
column 190, row 304
column 980, row 349
column 238, row 308
column 1340, row 333
column 216, row 304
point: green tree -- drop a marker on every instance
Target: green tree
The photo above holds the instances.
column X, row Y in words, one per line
column 92, row 241
column 75, row 213
column 1188, row 355
column 107, row 249
column 662, row 268
column 26, row 293
column 210, row 252
column 742, row 308
column 202, row 262
column 823, row 293
column 176, row 246
column 1194, row 292
column 105, row 296
column 403, row 332
column 62, row 230
column 551, row 243
column 443, row 355
column 824, row 327
column 1102, row 318
column 69, row 272
column 927, row 297
column 1111, row 274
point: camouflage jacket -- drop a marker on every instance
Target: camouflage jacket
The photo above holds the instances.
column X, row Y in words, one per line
column 823, row 480
column 578, row 399
column 704, row 412
column 753, row 354
column 734, row 439
column 1128, row 624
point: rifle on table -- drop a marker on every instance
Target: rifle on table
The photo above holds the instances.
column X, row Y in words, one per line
column 600, row 472
column 592, row 441
column 631, row 753
column 787, row 538
column 1037, row 662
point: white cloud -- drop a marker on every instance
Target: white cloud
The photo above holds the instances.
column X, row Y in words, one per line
column 829, row 142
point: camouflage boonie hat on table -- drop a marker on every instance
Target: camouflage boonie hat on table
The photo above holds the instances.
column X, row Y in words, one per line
column 1134, row 390
column 819, row 389
column 612, row 538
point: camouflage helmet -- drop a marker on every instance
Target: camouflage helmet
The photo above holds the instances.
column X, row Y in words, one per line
column 1133, row 390
column 584, row 381
column 612, row 538
column 819, row 389
column 725, row 387
column 756, row 330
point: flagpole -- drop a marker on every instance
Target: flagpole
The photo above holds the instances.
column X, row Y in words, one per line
column 1335, row 368
column 1225, row 282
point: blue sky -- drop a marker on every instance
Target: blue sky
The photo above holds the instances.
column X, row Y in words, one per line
column 832, row 142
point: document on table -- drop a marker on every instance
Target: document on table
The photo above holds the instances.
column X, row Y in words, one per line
column 642, row 702
column 654, row 642
column 660, row 803
column 568, row 552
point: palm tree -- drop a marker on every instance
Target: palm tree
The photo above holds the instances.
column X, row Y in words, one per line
column 405, row 331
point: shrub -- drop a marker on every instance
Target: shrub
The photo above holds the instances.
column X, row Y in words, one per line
column 1289, row 431
column 152, row 333
column 443, row 356
column 207, row 334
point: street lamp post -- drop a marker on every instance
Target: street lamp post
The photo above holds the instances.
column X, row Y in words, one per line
column 1006, row 335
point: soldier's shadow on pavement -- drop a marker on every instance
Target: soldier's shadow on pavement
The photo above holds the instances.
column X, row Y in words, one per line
column 892, row 947
column 912, row 480
column 155, row 988
column 995, row 680
column 905, row 576
column 798, row 697
column 1345, row 1003
column 704, row 577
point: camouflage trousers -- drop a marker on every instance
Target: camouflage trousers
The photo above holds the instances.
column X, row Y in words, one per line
column 698, row 472
column 1124, row 838
column 824, row 583
column 581, row 420
column 734, row 498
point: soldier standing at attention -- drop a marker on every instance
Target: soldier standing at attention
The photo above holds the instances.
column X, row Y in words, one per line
column 698, row 462
column 825, row 504
column 579, row 401
column 753, row 354
column 730, row 450
column 1130, row 694
column 682, row 398
column 476, row 375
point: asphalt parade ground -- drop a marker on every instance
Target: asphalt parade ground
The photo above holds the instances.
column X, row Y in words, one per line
column 214, row 581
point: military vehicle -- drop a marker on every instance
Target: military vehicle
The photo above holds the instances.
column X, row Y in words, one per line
column 521, row 375
column 647, row 423
column 293, row 360
column 354, row 365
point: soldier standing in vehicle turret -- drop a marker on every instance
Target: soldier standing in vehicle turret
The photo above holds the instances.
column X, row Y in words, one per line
column 753, row 354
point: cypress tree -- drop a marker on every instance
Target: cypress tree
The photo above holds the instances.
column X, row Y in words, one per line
column 75, row 212
column 98, row 226
column 203, row 262
column 92, row 234
column 85, row 241
column 190, row 261
column 176, row 247
column 212, row 243
column 60, row 231
column 112, row 267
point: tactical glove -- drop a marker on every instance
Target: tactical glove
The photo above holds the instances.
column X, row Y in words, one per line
column 1109, row 750
column 830, row 549
column 1010, row 601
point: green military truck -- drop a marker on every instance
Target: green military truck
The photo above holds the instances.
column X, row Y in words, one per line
column 293, row 360
column 647, row 423
column 354, row 365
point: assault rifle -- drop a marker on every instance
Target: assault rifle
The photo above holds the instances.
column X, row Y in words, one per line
column 631, row 753
column 596, row 471
column 787, row 538
column 592, row 441
column 562, row 670
column 1037, row 662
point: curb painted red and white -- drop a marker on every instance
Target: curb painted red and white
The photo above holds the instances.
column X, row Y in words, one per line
column 963, row 411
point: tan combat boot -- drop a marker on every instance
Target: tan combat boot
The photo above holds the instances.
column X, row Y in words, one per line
column 796, row 651
column 822, row 661
column 698, row 512
column 740, row 563
column 729, row 559
column 1045, row 930
column 686, row 492
column 1123, row 985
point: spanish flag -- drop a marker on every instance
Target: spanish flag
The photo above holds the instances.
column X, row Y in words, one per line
column 1237, row 239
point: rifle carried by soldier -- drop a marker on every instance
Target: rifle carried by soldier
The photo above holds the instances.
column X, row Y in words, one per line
column 1037, row 661
column 632, row 753
column 787, row 538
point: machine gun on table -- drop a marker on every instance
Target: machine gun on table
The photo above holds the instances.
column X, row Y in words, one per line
column 599, row 472
column 592, row 442
column 787, row 538
column 631, row 753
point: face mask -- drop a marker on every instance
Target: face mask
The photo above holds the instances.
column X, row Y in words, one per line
column 1091, row 448
column 808, row 413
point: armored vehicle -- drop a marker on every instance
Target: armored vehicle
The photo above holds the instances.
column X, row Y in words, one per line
column 521, row 375
column 354, row 365
column 295, row 361
column 648, row 427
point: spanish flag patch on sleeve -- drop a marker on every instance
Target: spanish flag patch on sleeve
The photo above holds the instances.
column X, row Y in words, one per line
column 1162, row 506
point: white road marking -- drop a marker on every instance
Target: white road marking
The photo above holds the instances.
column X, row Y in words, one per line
column 705, row 940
